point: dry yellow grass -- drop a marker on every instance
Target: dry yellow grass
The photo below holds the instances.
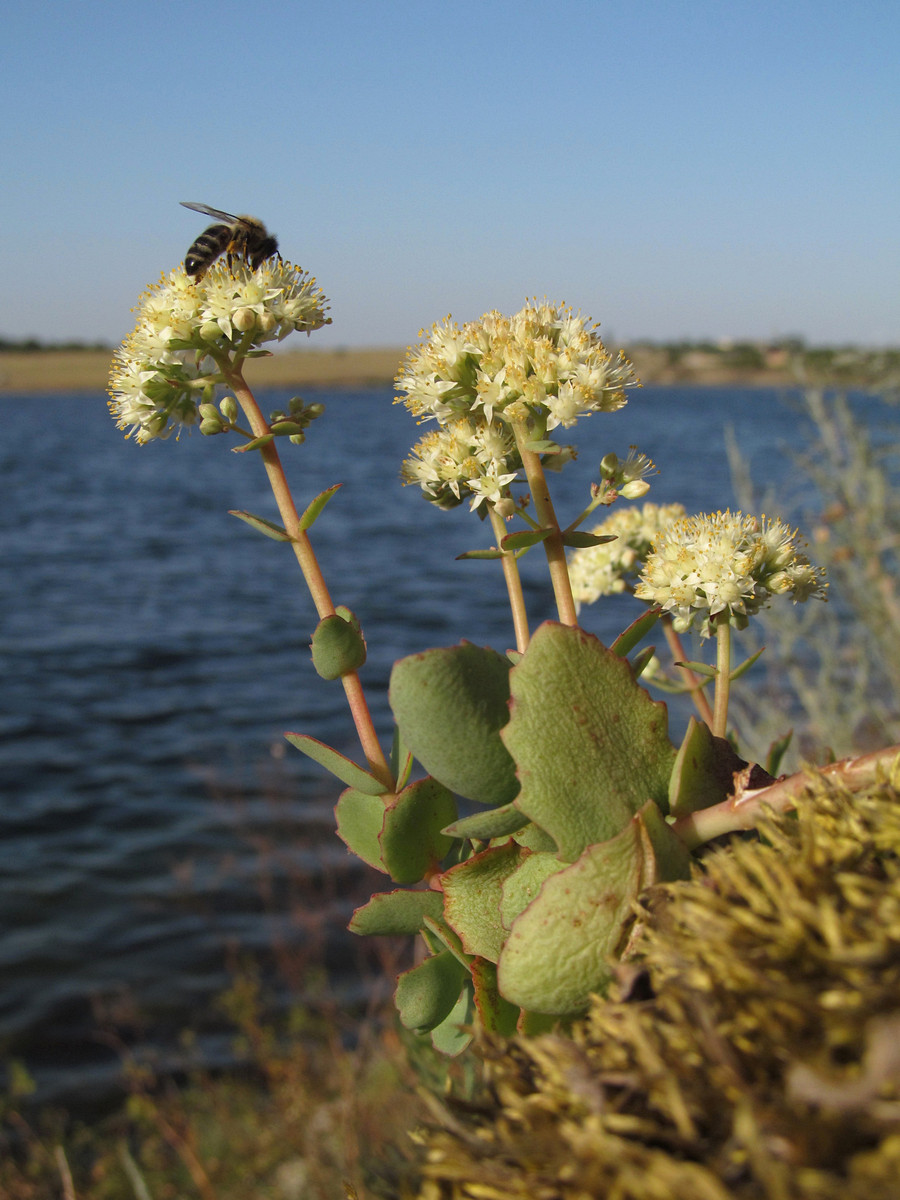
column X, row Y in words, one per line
column 88, row 370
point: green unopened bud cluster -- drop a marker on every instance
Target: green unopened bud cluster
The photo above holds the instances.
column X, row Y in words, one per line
column 293, row 423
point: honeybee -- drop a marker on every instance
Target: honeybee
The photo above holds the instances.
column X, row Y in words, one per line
column 244, row 236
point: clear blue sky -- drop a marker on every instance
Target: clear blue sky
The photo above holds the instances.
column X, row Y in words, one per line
column 673, row 169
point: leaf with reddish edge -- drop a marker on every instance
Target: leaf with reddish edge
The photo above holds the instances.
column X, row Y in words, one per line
column 497, row 1015
column 396, row 913
column 589, row 743
column 472, row 894
column 561, row 948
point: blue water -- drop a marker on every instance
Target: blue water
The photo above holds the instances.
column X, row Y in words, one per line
column 153, row 649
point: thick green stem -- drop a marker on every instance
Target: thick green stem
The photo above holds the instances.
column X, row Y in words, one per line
column 546, row 515
column 513, row 583
column 723, row 677
column 312, row 572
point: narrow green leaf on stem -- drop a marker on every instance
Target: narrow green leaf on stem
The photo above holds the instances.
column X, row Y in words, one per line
column 338, row 764
column 636, row 632
column 746, row 664
column 312, row 510
column 700, row 668
column 524, row 539
column 578, row 539
column 256, row 443
column 276, row 532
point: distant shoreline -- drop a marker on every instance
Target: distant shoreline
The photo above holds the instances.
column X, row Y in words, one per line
column 88, row 370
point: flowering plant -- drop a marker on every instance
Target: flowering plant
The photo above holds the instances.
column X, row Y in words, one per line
column 573, row 797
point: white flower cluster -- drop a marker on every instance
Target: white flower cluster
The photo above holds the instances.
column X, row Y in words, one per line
column 725, row 566
column 463, row 456
column 612, row 566
column 187, row 329
column 542, row 368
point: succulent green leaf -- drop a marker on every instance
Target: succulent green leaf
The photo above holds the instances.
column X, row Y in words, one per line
column 395, row 913
column 261, row 525
column 524, row 539
column 589, row 743
column 255, row 443
column 641, row 660
column 472, row 895
column 338, row 647
column 560, row 948
column 636, row 632
column 312, row 510
column 578, row 539
column 426, row 994
column 495, row 823
column 338, row 764
column 746, row 664
column 496, row 1015
column 700, row 668
column 360, row 817
column 454, row 1033
column 704, row 770
column 479, row 554
column 411, row 839
column 521, row 887
column 533, row 838
column 285, row 428
column 401, row 760
column 450, row 705
column 533, row 1024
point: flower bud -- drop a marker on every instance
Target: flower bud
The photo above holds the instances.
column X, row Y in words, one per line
column 635, row 489
column 210, row 331
column 244, row 320
column 229, row 409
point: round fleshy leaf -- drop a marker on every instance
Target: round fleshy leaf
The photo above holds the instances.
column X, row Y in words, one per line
column 450, row 705
column 359, row 819
column 522, row 885
column 396, row 913
column 338, row 647
column 559, row 948
column 426, row 994
column 589, row 743
column 412, row 842
column 472, row 894
column 454, row 1033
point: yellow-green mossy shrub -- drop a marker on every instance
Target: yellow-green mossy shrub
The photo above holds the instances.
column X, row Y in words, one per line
column 752, row 1052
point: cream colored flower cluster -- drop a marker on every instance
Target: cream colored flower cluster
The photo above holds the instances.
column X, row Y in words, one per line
column 187, row 330
column 726, row 566
column 610, row 567
column 541, row 368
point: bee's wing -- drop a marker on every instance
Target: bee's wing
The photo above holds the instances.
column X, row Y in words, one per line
column 210, row 212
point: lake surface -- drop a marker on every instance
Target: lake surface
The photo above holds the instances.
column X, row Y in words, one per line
column 153, row 650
